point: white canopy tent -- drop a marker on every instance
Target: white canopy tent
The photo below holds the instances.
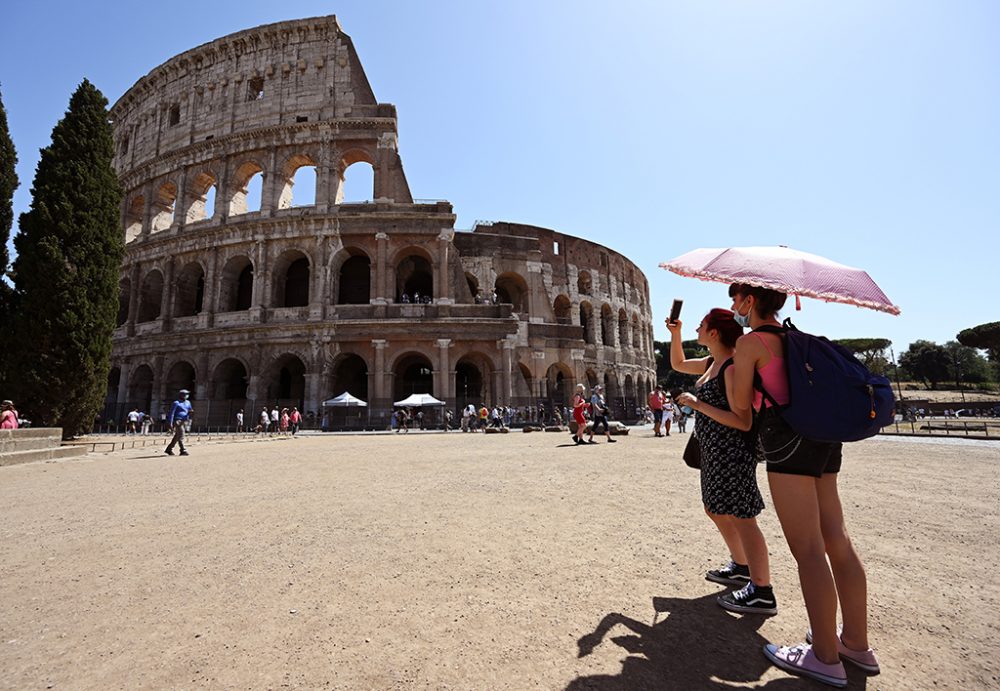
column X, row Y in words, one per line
column 344, row 400
column 418, row 400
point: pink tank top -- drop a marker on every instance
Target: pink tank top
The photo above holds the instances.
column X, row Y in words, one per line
column 773, row 376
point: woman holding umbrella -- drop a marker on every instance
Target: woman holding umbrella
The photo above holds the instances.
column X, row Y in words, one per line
column 802, row 475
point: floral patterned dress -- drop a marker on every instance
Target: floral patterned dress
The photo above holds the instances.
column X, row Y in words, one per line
column 728, row 460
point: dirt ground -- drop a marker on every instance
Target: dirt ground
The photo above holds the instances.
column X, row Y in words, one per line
column 434, row 561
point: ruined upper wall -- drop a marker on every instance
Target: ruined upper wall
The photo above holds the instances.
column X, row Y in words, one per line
column 305, row 70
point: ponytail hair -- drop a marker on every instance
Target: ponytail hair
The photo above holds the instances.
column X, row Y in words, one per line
column 767, row 301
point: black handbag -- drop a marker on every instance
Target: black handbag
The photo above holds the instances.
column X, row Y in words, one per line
column 692, row 452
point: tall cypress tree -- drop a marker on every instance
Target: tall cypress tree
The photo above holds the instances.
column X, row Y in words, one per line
column 69, row 250
column 8, row 183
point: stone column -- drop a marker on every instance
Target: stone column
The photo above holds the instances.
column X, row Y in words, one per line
column 210, row 295
column 381, row 262
column 442, row 386
column 378, row 393
column 506, row 373
column 180, row 203
column 270, row 188
column 259, row 283
column 133, row 300
column 122, row 386
column 167, row 299
column 147, row 210
column 313, row 396
column 442, row 277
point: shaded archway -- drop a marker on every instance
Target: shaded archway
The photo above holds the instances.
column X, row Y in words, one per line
column 111, row 395
column 623, row 333
column 236, row 285
column 524, row 386
column 124, row 297
column 473, row 284
column 586, row 321
column 286, row 382
column 230, row 381
column 190, row 290
column 163, row 207
column 413, row 373
column 150, row 297
column 563, row 310
column 350, row 374
column 181, row 375
column 354, row 280
column 607, row 325
column 559, row 384
column 291, row 279
column 414, row 276
column 298, row 171
column 584, row 284
column 140, row 388
column 248, row 185
column 512, row 289
column 133, row 218
column 203, row 194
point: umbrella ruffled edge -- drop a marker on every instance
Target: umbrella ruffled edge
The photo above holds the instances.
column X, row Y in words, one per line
column 888, row 308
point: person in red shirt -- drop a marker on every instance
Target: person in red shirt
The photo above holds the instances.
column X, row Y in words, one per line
column 657, row 399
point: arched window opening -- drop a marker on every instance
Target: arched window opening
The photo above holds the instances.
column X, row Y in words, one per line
column 351, row 376
column 354, row 285
column 124, row 297
column 357, row 183
column 150, row 297
column 299, row 175
column 230, row 380
column 111, row 393
column 291, row 284
column 140, row 388
column 413, row 374
column 287, row 382
column 414, row 277
column 236, row 285
column 512, row 289
column 133, row 218
column 586, row 321
column 190, row 291
column 636, row 334
column 559, row 384
column 469, row 385
column 202, row 206
column 607, row 326
column 473, row 283
column 563, row 310
column 181, row 376
column 248, row 186
column 163, row 207
column 623, row 339
column 584, row 285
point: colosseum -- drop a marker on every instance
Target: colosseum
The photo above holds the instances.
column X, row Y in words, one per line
column 249, row 279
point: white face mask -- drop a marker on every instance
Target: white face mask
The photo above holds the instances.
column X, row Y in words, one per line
column 740, row 319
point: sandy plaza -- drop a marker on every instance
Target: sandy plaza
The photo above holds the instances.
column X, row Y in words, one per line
column 465, row 561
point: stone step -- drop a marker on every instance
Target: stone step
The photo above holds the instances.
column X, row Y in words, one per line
column 54, row 454
column 27, row 439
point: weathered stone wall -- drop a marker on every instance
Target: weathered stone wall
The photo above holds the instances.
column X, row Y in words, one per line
column 293, row 303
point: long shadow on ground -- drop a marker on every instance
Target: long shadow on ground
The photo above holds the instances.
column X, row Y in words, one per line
column 698, row 645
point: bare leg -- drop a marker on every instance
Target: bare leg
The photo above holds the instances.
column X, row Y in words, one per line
column 848, row 571
column 755, row 548
column 796, row 502
column 730, row 535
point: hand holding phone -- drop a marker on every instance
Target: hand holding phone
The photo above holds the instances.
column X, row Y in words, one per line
column 675, row 310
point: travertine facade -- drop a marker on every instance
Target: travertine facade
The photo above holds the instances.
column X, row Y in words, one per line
column 294, row 302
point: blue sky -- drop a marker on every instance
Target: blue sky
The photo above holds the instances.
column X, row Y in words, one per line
column 863, row 131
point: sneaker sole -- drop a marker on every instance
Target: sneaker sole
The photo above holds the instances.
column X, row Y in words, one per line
column 738, row 580
column 864, row 666
column 742, row 609
column 798, row 671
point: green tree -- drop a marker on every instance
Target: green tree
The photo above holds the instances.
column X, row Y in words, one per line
column 871, row 352
column 69, row 250
column 985, row 337
column 665, row 374
column 967, row 365
column 927, row 362
column 8, row 183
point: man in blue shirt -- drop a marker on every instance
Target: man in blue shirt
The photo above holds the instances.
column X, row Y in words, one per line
column 180, row 413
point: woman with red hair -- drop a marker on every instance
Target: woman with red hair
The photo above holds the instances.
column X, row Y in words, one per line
column 728, row 464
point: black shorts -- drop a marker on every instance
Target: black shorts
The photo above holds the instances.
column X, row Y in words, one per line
column 787, row 452
column 657, row 415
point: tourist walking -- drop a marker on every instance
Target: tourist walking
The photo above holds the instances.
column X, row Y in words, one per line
column 656, row 401
column 239, row 420
column 729, row 489
column 295, row 420
column 802, row 475
column 180, row 414
column 579, row 404
column 599, row 411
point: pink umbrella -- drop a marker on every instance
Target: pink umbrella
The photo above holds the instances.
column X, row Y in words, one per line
column 785, row 270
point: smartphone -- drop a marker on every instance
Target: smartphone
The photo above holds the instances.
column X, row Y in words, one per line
column 675, row 310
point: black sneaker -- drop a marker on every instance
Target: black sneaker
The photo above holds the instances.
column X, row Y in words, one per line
column 184, row 453
column 750, row 600
column 730, row 574
column 168, row 452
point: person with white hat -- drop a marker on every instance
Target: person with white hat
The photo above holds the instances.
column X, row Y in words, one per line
column 180, row 413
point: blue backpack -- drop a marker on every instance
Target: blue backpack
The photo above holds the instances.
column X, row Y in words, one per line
column 832, row 396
